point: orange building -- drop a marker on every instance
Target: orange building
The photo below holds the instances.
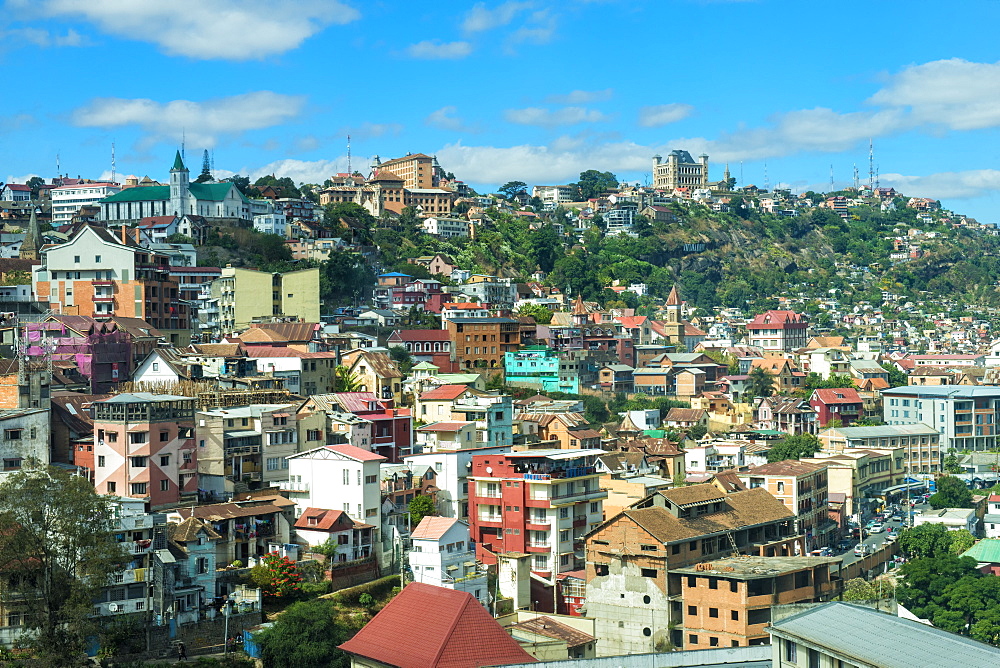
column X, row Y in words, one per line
column 727, row 602
column 481, row 342
column 101, row 273
column 416, row 170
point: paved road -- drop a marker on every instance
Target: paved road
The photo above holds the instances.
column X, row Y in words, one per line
column 877, row 539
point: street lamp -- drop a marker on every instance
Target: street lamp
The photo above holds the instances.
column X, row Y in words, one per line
column 227, row 609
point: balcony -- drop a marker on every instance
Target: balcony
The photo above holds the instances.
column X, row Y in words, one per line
column 102, row 298
column 579, row 521
column 491, row 518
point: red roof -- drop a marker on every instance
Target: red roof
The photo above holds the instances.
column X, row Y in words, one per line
column 842, row 395
column 432, row 528
column 459, row 633
column 444, row 393
column 321, row 519
column 356, row 453
column 773, row 318
column 443, row 426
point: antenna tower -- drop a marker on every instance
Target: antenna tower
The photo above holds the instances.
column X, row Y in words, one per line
column 856, row 176
column 349, row 172
column 183, row 138
column 767, row 181
column 58, row 167
column 831, row 177
column 213, row 161
column 871, row 165
column 742, row 182
column 112, row 162
column 876, row 176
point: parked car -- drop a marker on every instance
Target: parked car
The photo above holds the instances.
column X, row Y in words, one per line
column 860, row 550
column 876, row 528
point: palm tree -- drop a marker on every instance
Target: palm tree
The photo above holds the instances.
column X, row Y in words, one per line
column 345, row 381
column 760, row 383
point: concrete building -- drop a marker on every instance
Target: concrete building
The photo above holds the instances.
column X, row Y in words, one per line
column 802, row 487
column 245, row 445
column 451, row 475
column 100, row 273
column 354, row 540
column 541, row 368
column 25, row 436
column 680, row 171
column 727, row 602
column 778, row 330
column 632, row 592
column 964, row 416
column 540, row 502
column 921, row 446
column 245, row 295
column 444, row 556
column 862, row 475
column 481, row 343
column 338, row 477
column 67, row 200
column 144, row 447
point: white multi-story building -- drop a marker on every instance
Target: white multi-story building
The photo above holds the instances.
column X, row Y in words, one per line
column 552, row 196
column 444, row 556
column 267, row 218
column 964, row 416
column 338, row 477
column 446, row 228
column 67, row 200
column 451, row 469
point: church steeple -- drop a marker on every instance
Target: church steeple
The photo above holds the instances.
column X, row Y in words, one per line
column 32, row 239
column 180, row 182
column 178, row 163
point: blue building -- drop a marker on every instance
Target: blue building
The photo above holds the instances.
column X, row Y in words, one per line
column 541, row 368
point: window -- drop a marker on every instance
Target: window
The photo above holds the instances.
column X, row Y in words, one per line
column 137, row 462
column 164, row 485
column 370, row 479
column 713, row 612
column 273, row 463
column 97, row 259
column 648, row 572
column 164, row 436
column 692, row 610
column 164, row 460
column 789, row 650
column 734, row 615
column 156, row 366
column 813, row 659
column 111, row 487
column 601, row 569
column 692, row 639
column 12, row 463
column 100, row 461
column 111, row 437
column 12, row 434
column 138, row 488
column 347, row 477
column 137, row 437
column 648, row 548
column 595, row 507
column 202, row 564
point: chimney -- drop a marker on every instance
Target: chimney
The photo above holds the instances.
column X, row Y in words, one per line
column 136, row 235
column 124, row 241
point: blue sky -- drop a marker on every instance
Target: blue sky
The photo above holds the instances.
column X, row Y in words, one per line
column 536, row 91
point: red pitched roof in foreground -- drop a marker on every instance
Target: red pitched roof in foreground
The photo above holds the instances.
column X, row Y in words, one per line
column 459, row 633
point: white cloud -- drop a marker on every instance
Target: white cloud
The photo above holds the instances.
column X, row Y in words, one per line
column 946, row 185
column 581, row 97
column 564, row 159
column 304, row 171
column 437, row 50
column 479, row 18
column 959, row 94
column 224, row 29
column 44, row 38
column 553, row 117
column 202, row 122
column 369, row 130
column 664, row 114
column 540, row 29
column 445, row 119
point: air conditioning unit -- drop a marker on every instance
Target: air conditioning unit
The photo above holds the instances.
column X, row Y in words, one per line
column 113, row 607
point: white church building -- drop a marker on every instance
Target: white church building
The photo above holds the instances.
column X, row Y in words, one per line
column 220, row 203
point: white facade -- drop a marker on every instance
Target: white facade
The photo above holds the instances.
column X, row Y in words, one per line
column 339, row 477
column 67, row 200
column 267, row 218
column 451, row 470
column 446, row 227
column 446, row 557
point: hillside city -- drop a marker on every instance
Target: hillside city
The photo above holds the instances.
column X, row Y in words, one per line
column 387, row 420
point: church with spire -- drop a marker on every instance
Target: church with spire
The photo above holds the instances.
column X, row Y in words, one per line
column 218, row 203
column 32, row 239
column 674, row 329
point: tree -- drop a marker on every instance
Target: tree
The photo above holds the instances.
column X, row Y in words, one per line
column 420, row 507
column 951, row 464
column 697, row 432
column 278, row 577
column 760, row 383
column 925, row 541
column 545, row 247
column 305, row 635
column 961, row 540
column 206, row 170
column 57, row 549
column 926, row 580
column 897, row 377
column 345, row 381
column 35, row 183
column 512, row 189
column 593, row 183
column 402, row 358
column 795, row 446
column 858, row 589
column 951, row 493
column 541, row 314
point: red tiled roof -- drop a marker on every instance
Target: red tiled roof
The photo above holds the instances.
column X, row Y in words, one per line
column 459, row 633
column 444, row 393
column 432, row 528
column 844, row 395
column 325, row 520
column 443, row 426
column 773, row 318
column 355, row 453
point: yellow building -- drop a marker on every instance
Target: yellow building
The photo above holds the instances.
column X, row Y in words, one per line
column 861, row 473
column 243, row 296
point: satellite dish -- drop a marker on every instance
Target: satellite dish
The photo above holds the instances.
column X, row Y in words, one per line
column 489, row 469
column 113, row 607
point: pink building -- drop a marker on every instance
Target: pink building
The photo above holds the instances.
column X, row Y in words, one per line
column 144, row 447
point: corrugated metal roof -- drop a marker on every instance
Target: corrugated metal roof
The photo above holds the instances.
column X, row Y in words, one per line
column 879, row 639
